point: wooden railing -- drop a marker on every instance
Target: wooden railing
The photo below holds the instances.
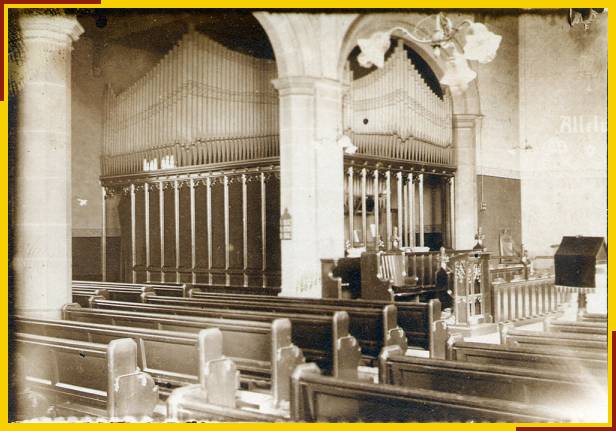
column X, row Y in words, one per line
column 523, row 299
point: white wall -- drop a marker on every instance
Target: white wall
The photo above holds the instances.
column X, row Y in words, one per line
column 498, row 94
column 120, row 66
column 563, row 79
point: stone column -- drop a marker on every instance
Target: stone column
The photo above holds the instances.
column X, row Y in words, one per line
column 311, row 180
column 466, row 132
column 42, row 185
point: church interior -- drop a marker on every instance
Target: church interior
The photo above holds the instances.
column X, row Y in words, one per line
column 308, row 216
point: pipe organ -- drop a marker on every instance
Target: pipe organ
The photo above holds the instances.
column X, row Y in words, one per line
column 401, row 177
column 202, row 103
column 189, row 152
column 392, row 113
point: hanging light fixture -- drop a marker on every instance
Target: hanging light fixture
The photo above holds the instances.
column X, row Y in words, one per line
column 480, row 45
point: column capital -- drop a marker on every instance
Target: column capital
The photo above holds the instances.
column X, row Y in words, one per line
column 466, row 121
column 304, row 85
column 60, row 29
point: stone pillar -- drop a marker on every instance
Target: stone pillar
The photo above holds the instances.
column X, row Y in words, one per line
column 466, row 132
column 42, row 185
column 311, row 180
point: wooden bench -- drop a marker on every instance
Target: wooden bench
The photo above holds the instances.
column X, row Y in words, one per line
column 323, row 339
column 239, row 289
column 520, row 337
column 317, row 398
column 570, row 361
column 132, row 293
column 372, row 327
column 383, row 277
column 159, row 350
column 259, row 349
column 341, row 278
column 160, row 288
column 551, row 324
column 536, row 387
column 419, row 321
column 81, row 378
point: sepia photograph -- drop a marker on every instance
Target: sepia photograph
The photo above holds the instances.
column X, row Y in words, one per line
column 308, row 215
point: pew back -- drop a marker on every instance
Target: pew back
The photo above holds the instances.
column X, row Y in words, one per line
column 415, row 319
column 319, row 337
column 535, row 387
column 317, row 398
column 520, row 337
column 373, row 327
column 571, row 361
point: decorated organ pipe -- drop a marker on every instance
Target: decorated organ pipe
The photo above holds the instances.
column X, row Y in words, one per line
column 202, row 103
column 392, row 112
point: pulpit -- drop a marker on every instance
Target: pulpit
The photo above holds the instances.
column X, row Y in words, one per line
column 468, row 273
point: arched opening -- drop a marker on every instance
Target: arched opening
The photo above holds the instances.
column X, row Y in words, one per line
column 397, row 183
column 189, row 147
column 458, row 194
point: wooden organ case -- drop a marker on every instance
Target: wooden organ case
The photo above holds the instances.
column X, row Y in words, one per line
column 190, row 161
column 401, row 177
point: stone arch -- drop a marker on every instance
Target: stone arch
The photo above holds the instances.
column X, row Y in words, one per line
column 306, row 44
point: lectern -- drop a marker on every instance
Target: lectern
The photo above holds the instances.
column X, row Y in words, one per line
column 581, row 262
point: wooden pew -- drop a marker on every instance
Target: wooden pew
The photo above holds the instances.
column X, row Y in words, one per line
column 81, row 378
column 236, row 289
column 570, row 361
column 383, row 277
column 250, row 344
column 369, row 325
column 551, row 324
column 215, row 397
column 317, row 398
column 159, row 351
column 133, row 293
column 520, row 337
column 164, row 289
column 323, row 339
column 341, row 278
column 536, row 387
column 419, row 321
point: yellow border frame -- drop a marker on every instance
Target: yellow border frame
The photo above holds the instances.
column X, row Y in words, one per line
column 261, row 4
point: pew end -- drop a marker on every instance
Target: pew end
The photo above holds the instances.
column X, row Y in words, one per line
column 386, row 353
column 132, row 393
column 347, row 352
column 438, row 339
column 286, row 356
column 393, row 335
column 452, row 340
column 331, row 286
column 217, row 396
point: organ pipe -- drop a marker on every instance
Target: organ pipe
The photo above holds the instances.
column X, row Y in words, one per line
column 202, row 103
column 392, row 112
